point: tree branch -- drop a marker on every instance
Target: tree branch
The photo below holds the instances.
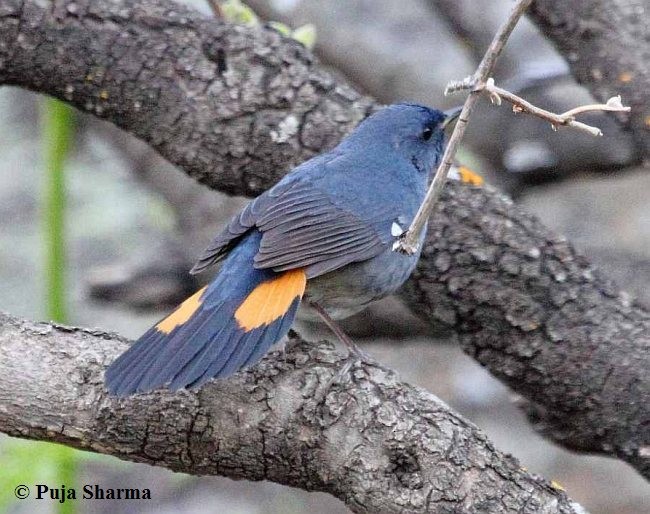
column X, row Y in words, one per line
column 419, row 74
column 478, row 83
column 376, row 443
column 606, row 43
column 539, row 316
column 236, row 107
column 408, row 243
column 564, row 119
column 202, row 92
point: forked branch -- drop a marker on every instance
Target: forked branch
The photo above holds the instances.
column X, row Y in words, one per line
column 567, row 118
column 481, row 82
column 408, row 242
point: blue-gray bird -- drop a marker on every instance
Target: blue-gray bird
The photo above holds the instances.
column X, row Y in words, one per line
column 324, row 235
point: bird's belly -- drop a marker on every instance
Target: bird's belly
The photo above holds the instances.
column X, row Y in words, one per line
column 350, row 289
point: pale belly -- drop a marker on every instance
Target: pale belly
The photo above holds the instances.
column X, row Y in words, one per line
column 348, row 290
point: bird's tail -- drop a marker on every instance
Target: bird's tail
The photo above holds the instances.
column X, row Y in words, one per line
column 224, row 327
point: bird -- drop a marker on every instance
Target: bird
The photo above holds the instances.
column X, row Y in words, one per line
column 322, row 236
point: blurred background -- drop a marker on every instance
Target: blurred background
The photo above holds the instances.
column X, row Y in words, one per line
column 96, row 230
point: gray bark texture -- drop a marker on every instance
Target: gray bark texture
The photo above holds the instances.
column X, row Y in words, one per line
column 429, row 51
column 235, row 108
column 426, row 43
column 204, row 94
column 376, row 443
column 607, row 44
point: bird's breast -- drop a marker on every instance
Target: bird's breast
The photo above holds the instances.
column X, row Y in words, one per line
column 350, row 289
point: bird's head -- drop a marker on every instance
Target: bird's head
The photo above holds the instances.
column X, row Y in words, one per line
column 413, row 132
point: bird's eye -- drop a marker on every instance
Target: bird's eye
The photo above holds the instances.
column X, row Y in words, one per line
column 427, row 133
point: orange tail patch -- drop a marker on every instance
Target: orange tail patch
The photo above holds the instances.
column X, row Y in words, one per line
column 271, row 300
column 184, row 312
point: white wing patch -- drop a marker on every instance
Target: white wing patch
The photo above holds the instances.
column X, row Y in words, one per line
column 396, row 230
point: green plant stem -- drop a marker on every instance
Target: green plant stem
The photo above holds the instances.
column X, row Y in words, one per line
column 58, row 128
column 66, row 463
column 58, row 125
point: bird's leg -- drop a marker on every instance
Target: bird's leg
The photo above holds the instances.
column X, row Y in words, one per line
column 338, row 331
column 354, row 353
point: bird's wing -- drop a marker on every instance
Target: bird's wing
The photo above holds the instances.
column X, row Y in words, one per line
column 301, row 228
column 238, row 226
column 304, row 228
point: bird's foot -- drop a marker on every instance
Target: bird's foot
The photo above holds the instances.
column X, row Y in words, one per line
column 355, row 354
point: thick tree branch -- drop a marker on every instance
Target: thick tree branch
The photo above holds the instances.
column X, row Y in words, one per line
column 606, row 43
column 376, row 443
column 235, row 108
column 207, row 95
column 537, row 315
column 410, row 29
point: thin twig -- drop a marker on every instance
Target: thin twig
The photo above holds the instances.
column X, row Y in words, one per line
column 408, row 243
column 460, row 85
column 567, row 118
column 216, row 9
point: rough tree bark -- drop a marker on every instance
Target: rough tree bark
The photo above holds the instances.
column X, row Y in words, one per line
column 540, row 318
column 607, row 43
column 404, row 29
column 202, row 93
column 376, row 443
column 410, row 30
column 235, row 108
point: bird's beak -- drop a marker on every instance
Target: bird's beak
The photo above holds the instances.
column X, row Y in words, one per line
column 451, row 115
